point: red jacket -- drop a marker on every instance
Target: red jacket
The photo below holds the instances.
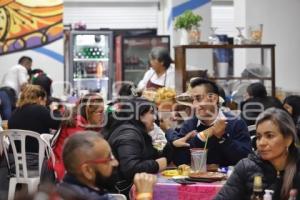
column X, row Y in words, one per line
column 65, row 132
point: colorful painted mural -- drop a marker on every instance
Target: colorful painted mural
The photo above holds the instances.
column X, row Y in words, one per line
column 27, row 24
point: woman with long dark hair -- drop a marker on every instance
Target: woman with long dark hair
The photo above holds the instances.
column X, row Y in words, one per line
column 131, row 144
column 277, row 159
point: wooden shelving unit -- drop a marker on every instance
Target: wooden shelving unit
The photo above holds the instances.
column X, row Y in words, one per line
column 180, row 63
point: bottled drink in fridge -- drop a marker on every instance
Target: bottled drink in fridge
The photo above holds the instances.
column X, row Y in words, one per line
column 99, row 70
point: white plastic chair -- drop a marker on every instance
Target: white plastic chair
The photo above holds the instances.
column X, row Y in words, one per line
column 118, row 196
column 46, row 137
column 22, row 174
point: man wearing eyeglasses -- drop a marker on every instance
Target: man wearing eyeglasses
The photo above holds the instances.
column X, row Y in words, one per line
column 227, row 136
column 89, row 163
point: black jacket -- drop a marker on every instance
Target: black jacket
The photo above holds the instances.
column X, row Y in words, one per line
column 132, row 146
column 71, row 188
column 33, row 117
column 235, row 146
column 240, row 184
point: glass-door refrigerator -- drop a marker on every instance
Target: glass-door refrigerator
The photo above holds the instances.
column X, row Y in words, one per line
column 90, row 67
column 132, row 55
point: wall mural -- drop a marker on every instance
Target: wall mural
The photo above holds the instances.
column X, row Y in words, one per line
column 27, row 24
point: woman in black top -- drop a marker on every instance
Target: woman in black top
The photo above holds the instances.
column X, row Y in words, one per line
column 130, row 142
column 32, row 114
column 277, row 159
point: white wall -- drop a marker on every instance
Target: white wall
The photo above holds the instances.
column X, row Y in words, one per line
column 281, row 26
column 111, row 14
column 52, row 67
column 196, row 59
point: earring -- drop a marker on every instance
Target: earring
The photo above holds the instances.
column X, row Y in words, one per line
column 287, row 150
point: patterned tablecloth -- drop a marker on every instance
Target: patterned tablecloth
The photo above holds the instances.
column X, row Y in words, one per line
column 166, row 189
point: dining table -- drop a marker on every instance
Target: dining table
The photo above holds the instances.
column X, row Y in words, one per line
column 167, row 189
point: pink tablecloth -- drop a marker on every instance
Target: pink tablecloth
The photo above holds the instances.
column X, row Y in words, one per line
column 168, row 189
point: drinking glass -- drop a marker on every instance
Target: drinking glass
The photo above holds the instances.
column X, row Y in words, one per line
column 198, row 160
column 240, row 39
column 213, row 39
column 256, row 33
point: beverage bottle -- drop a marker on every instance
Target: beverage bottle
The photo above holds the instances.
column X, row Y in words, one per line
column 99, row 70
column 293, row 194
column 257, row 193
column 78, row 71
column 268, row 194
column 85, row 52
column 97, row 54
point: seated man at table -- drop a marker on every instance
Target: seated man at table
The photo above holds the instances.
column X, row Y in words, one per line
column 227, row 136
column 89, row 164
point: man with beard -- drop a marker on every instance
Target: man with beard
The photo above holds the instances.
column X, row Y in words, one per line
column 89, row 163
column 227, row 136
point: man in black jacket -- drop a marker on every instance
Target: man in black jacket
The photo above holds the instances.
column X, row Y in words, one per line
column 89, row 162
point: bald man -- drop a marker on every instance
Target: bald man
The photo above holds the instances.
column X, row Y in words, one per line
column 89, row 163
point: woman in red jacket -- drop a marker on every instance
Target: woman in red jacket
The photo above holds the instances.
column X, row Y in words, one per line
column 86, row 115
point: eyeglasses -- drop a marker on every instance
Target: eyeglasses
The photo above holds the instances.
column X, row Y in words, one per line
column 200, row 98
column 100, row 160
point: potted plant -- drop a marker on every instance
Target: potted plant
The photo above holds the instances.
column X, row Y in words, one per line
column 189, row 24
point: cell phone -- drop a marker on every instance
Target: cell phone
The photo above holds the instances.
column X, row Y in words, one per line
column 183, row 181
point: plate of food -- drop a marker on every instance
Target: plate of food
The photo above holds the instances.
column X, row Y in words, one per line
column 212, row 167
column 170, row 172
column 216, row 176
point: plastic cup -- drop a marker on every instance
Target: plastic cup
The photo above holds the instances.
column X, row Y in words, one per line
column 198, row 160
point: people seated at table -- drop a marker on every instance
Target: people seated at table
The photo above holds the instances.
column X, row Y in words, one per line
column 277, row 159
column 87, row 115
column 256, row 101
column 175, row 119
column 32, row 114
column 162, row 72
column 292, row 105
column 131, row 143
column 227, row 136
column 128, row 90
column 90, row 163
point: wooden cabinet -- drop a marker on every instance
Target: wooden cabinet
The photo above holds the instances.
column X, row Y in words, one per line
column 181, row 73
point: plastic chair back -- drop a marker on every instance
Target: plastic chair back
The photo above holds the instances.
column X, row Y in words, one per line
column 46, row 137
column 22, row 175
column 19, row 136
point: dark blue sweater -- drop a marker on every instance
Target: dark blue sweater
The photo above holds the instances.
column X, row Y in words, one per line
column 234, row 145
